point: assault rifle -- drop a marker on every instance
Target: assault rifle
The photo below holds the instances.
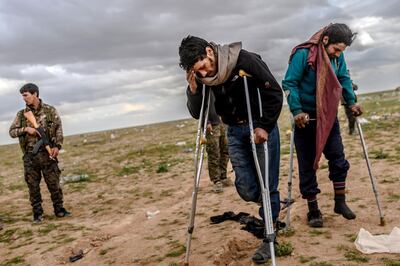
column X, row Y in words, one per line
column 44, row 141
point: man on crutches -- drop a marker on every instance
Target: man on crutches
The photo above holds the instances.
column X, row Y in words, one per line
column 218, row 68
column 316, row 78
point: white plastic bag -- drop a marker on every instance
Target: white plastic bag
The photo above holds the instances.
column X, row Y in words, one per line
column 368, row 243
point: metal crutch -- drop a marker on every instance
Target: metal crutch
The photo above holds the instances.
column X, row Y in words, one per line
column 373, row 181
column 264, row 186
column 290, row 175
column 198, row 163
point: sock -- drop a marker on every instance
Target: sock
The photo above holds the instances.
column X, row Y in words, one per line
column 312, row 203
column 339, row 187
column 340, row 204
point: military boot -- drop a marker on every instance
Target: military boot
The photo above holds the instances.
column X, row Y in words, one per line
column 62, row 212
column 37, row 218
column 218, row 187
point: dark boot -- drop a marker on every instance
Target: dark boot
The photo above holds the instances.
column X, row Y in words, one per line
column 342, row 208
column 218, row 187
column 263, row 253
column 37, row 218
column 62, row 212
column 314, row 218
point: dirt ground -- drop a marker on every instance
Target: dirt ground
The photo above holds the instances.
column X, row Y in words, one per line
column 132, row 205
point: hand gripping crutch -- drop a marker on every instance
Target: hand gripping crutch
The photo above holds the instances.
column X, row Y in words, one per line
column 264, row 186
column 373, row 181
column 198, row 163
column 290, row 175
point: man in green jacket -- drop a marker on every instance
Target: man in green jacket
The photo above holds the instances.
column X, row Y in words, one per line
column 315, row 80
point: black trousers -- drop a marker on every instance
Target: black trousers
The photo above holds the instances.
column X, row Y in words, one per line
column 305, row 139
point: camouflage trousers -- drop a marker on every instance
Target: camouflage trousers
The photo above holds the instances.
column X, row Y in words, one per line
column 34, row 167
column 217, row 151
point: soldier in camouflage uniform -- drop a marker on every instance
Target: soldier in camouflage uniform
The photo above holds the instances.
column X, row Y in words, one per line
column 217, row 149
column 41, row 163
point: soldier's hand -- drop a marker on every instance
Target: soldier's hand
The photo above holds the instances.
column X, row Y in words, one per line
column 191, row 79
column 301, row 120
column 356, row 110
column 54, row 152
column 260, row 135
column 30, row 130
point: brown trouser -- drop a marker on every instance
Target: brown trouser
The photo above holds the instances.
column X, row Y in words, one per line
column 217, row 151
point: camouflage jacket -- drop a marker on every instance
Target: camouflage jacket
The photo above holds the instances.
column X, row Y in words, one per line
column 46, row 117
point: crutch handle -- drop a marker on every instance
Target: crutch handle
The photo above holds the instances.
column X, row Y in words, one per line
column 243, row 73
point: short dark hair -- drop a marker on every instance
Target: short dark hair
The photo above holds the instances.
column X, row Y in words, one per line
column 339, row 33
column 191, row 50
column 31, row 88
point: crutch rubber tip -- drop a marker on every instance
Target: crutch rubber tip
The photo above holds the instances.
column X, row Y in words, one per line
column 382, row 221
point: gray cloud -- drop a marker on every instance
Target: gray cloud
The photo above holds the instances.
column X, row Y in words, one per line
column 119, row 58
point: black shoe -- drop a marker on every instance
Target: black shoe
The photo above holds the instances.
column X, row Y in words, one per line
column 62, row 213
column 262, row 254
column 37, row 218
column 314, row 219
column 342, row 208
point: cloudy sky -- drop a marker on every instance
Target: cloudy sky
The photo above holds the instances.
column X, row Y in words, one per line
column 113, row 63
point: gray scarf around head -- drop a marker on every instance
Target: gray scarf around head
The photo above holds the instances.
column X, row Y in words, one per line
column 227, row 58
